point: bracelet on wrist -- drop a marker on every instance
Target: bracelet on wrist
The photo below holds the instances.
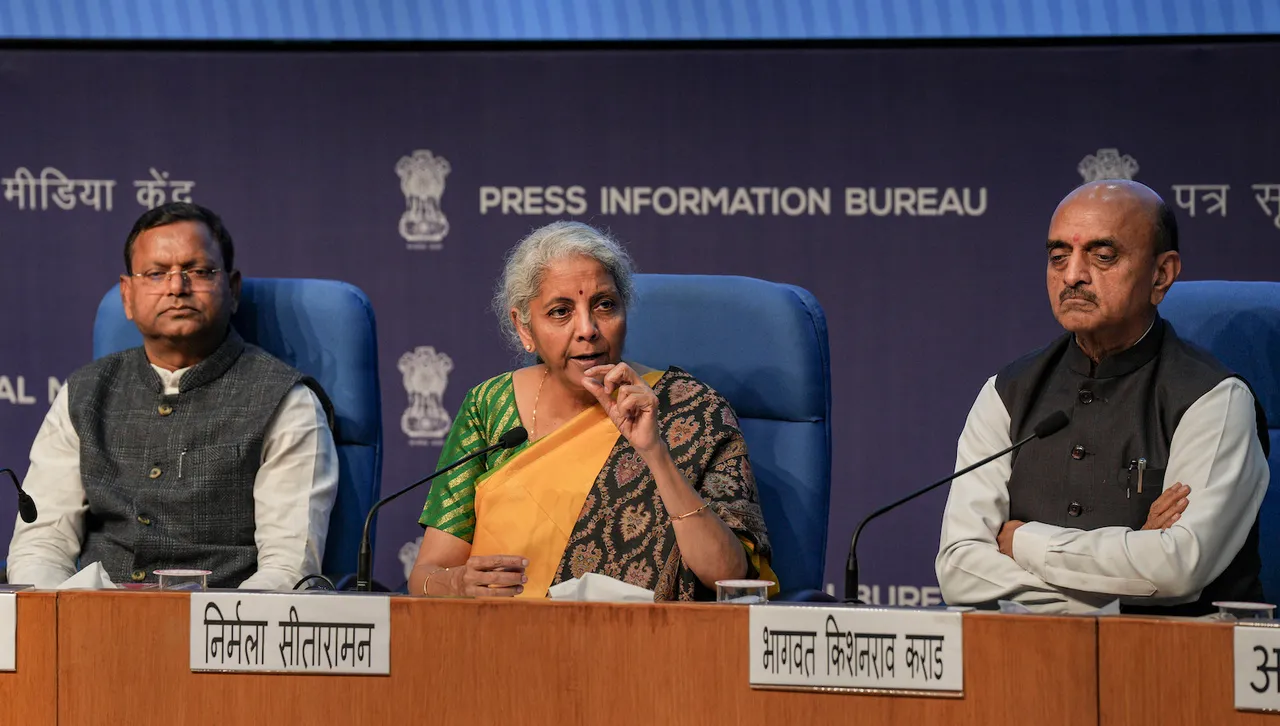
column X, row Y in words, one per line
column 678, row 517
column 427, row 582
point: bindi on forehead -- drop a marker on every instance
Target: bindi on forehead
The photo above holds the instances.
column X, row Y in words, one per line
column 1075, row 237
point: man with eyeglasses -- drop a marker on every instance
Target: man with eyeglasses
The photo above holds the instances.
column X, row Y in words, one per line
column 196, row 450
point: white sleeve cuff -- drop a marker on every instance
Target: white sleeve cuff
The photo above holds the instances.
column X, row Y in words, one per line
column 41, row 576
column 269, row 580
column 1031, row 546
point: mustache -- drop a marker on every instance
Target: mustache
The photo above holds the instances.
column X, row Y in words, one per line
column 1072, row 293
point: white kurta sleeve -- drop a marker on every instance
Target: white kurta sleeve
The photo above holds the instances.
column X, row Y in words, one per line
column 44, row 552
column 293, row 493
column 969, row 566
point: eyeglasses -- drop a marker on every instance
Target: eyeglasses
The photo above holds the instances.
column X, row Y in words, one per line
column 200, row 278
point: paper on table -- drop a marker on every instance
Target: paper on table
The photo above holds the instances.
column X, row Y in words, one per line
column 594, row 587
column 1056, row 606
column 1111, row 608
column 93, row 577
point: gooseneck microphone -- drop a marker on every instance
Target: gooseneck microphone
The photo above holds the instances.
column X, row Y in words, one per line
column 26, row 505
column 364, row 565
column 1052, row 424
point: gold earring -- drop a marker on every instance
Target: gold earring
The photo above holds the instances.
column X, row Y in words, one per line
column 529, row 348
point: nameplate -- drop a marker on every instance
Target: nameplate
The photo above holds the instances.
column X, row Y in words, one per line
column 856, row 649
column 291, row 633
column 1257, row 667
column 8, row 631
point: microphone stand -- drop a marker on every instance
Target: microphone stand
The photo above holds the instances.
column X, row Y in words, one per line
column 26, row 505
column 364, row 563
column 851, row 566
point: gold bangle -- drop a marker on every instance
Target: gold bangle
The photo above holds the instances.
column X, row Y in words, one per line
column 427, row 581
column 690, row 514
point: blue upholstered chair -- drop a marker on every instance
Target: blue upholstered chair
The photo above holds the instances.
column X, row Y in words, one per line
column 763, row 346
column 325, row 329
column 1239, row 322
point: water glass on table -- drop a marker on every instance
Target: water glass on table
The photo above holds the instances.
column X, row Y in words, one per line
column 191, row 580
column 743, row 592
column 1233, row 610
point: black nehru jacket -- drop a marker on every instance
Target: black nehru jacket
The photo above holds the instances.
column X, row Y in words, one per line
column 1125, row 410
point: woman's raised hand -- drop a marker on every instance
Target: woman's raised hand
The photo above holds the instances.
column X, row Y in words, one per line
column 630, row 403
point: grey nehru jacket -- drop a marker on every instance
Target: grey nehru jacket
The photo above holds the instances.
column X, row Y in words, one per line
column 1124, row 409
column 169, row 479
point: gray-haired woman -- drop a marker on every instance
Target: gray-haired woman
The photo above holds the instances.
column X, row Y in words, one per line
column 637, row 474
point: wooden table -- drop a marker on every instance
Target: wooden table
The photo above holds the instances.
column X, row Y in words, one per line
column 1171, row 672
column 123, row 659
column 29, row 695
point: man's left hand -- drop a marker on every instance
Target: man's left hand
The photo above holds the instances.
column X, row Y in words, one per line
column 1005, row 538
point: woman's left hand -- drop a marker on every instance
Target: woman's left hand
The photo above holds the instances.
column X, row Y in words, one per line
column 634, row 410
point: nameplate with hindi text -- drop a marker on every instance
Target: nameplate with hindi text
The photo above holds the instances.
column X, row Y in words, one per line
column 1257, row 667
column 857, row 649
column 8, row 631
column 291, row 633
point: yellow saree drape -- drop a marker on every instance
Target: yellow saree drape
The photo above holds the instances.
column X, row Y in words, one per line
column 529, row 506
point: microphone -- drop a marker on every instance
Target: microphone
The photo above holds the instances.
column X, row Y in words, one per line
column 364, row 565
column 26, row 505
column 1052, row 424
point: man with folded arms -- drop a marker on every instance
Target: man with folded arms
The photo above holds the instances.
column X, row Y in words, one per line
column 196, row 450
column 1151, row 493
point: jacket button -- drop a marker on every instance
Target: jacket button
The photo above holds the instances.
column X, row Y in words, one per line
column 1086, row 396
column 1077, row 453
column 155, row 472
column 144, row 520
column 1074, row 509
column 164, row 409
column 138, row 575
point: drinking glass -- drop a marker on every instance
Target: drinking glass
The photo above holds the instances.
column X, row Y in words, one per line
column 743, row 592
column 183, row 579
column 1232, row 610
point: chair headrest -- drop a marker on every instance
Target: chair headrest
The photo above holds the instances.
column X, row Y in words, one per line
column 763, row 345
column 1239, row 322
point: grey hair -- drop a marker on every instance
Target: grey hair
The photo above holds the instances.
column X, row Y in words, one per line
column 527, row 263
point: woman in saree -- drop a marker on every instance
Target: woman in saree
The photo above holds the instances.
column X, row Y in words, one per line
column 637, row 474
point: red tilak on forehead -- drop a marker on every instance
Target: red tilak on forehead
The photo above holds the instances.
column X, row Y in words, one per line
column 579, row 292
column 1075, row 237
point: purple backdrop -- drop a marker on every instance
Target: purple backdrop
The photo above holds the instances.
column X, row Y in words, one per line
column 926, row 295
